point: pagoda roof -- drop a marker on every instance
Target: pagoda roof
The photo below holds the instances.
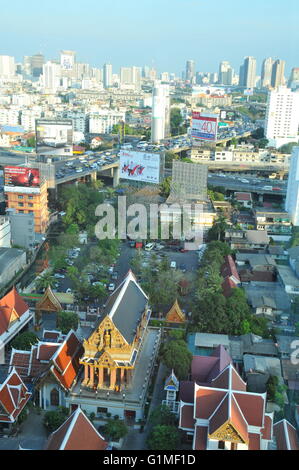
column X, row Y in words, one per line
column 286, row 436
column 12, row 307
column 49, row 302
column 171, row 383
column 76, row 433
column 65, row 362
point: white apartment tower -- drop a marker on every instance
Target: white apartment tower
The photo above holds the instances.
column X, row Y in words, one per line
column 282, row 117
column 51, row 76
column 292, row 199
column 7, row 66
column 226, row 73
column 266, row 73
column 160, row 112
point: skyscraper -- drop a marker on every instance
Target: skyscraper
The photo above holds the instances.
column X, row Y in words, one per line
column 190, row 71
column 292, row 199
column 282, row 117
column 7, row 66
column 160, row 112
column 37, row 62
column 248, row 73
column 294, row 78
column 277, row 77
column 266, row 74
column 107, row 76
column 51, row 76
column 225, row 73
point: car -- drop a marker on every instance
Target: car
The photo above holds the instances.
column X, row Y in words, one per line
column 149, row 246
column 68, row 291
column 59, row 276
column 114, row 275
column 173, row 264
column 111, row 287
column 111, row 269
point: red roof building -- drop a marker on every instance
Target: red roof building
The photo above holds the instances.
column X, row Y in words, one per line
column 13, row 397
column 222, row 414
column 231, row 276
column 286, row 436
column 76, row 433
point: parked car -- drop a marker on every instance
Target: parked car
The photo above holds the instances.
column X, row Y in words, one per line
column 173, row 264
column 111, row 287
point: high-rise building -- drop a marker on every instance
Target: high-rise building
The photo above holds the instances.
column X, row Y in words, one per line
column 7, row 66
column 51, row 76
column 190, row 71
column 282, row 117
column 266, row 73
column 294, row 78
column 248, row 73
column 226, row 73
column 292, row 199
column 67, row 63
column 36, row 64
column 107, row 76
column 160, row 112
column 277, row 77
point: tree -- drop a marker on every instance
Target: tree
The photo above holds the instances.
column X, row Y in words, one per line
column 165, row 187
column 176, row 120
column 24, row 341
column 163, row 437
column 44, row 281
column 162, row 415
column 115, row 429
column 218, row 229
column 54, row 419
column 287, row 148
column 176, row 355
column 67, row 321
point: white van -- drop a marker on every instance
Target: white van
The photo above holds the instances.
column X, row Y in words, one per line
column 149, row 246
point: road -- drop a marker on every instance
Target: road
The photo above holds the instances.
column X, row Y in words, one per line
column 253, row 184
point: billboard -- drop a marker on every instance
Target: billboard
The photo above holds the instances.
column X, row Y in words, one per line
column 140, row 166
column 21, row 179
column 54, row 137
column 67, row 61
column 204, row 127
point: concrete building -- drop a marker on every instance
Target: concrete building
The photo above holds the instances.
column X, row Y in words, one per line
column 266, row 74
column 225, row 76
column 189, row 181
column 190, row 71
column 12, row 261
column 282, row 117
column 277, row 77
column 5, row 232
column 36, row 64
column 22, row 228
column 293, row 82
column 248, row 73
column 102, row 121
column 7, row 66
column 51, row 76
column 160, row 112
column 107, row 76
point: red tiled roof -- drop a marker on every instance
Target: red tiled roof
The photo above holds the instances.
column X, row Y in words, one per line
column 254, row 442
column 186, row 417
column 268, row 428
column 286, row 436
column 8, row 304
column 13, row 397
column 252, row 406
column 243, row 196
column 201, row 436
column 46, row 350
column 229, row 268
column 207, row 401
column 77, row 433
column 220, row 417
column 66, row 361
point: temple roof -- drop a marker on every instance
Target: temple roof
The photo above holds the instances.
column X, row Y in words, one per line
column 66, row 360
column 175, row 310
column 286, row 436
column 126, row 306
column 12, row 307
column 49, row 302
column 13, row 397
column 76, row 433
column 172, row 383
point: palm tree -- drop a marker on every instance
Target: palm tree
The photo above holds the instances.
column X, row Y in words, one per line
column 44, row 281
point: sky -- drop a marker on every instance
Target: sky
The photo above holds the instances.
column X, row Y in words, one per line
column 159, row 33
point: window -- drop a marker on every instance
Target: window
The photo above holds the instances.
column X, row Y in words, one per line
column 20, row 197
column 54, row 397
column 101, row 410
column 221, row 445
column 21, row 204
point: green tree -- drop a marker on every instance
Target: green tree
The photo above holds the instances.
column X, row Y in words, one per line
column 165, row 187
column 115, row 429
column 217, row 231
column 54, row 419
column 176, row 355
column 162, row 415
column 44, row 281
column 67, row 321
column 163, row 437
column 24, row 341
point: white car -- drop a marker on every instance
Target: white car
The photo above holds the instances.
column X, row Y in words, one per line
column 173, row 264
column 59, row 276
column 149, row 246
column 111, row 287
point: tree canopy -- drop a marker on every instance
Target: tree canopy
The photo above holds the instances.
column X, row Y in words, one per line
column 163, row 437
column 24, row 341
column 176, row 355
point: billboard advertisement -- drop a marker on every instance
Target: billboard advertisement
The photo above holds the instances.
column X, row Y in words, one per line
column 21, row 179
column 140, row 166
column 204, row 127
column 54, row 137
column 67, row 61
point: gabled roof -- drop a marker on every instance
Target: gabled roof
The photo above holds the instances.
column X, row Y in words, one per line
column 171, row 383
column 13, row 397
column 66, row 360
column 286, row 436
column 206, row 368
column 49, row 302
column 12, row 307
column 175, row 313
column 76, row 433
column 229, row 269
column 126, row 306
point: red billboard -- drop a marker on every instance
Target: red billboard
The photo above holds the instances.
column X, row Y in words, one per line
column 21, row 177
column 204, row 127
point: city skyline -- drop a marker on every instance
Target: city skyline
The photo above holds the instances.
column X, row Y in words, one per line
column 231, row 27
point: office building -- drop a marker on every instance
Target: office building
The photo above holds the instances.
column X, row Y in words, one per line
column 226, row 73
column 107, row 76
column 282, row 117
column 277, row 77
column 292, row 199
column 36, row 64
column 190, row 71
column 7, row 66
column 248, row 73
column 189, row 181
column 160, row 112
column 51, row 76
column 22, row 228
column 294, row 78
column 102, row 121
column 266, row 74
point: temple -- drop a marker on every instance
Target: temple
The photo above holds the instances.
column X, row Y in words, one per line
column 175, row 314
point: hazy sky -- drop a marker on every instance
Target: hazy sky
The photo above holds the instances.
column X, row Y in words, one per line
column 163, row 33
